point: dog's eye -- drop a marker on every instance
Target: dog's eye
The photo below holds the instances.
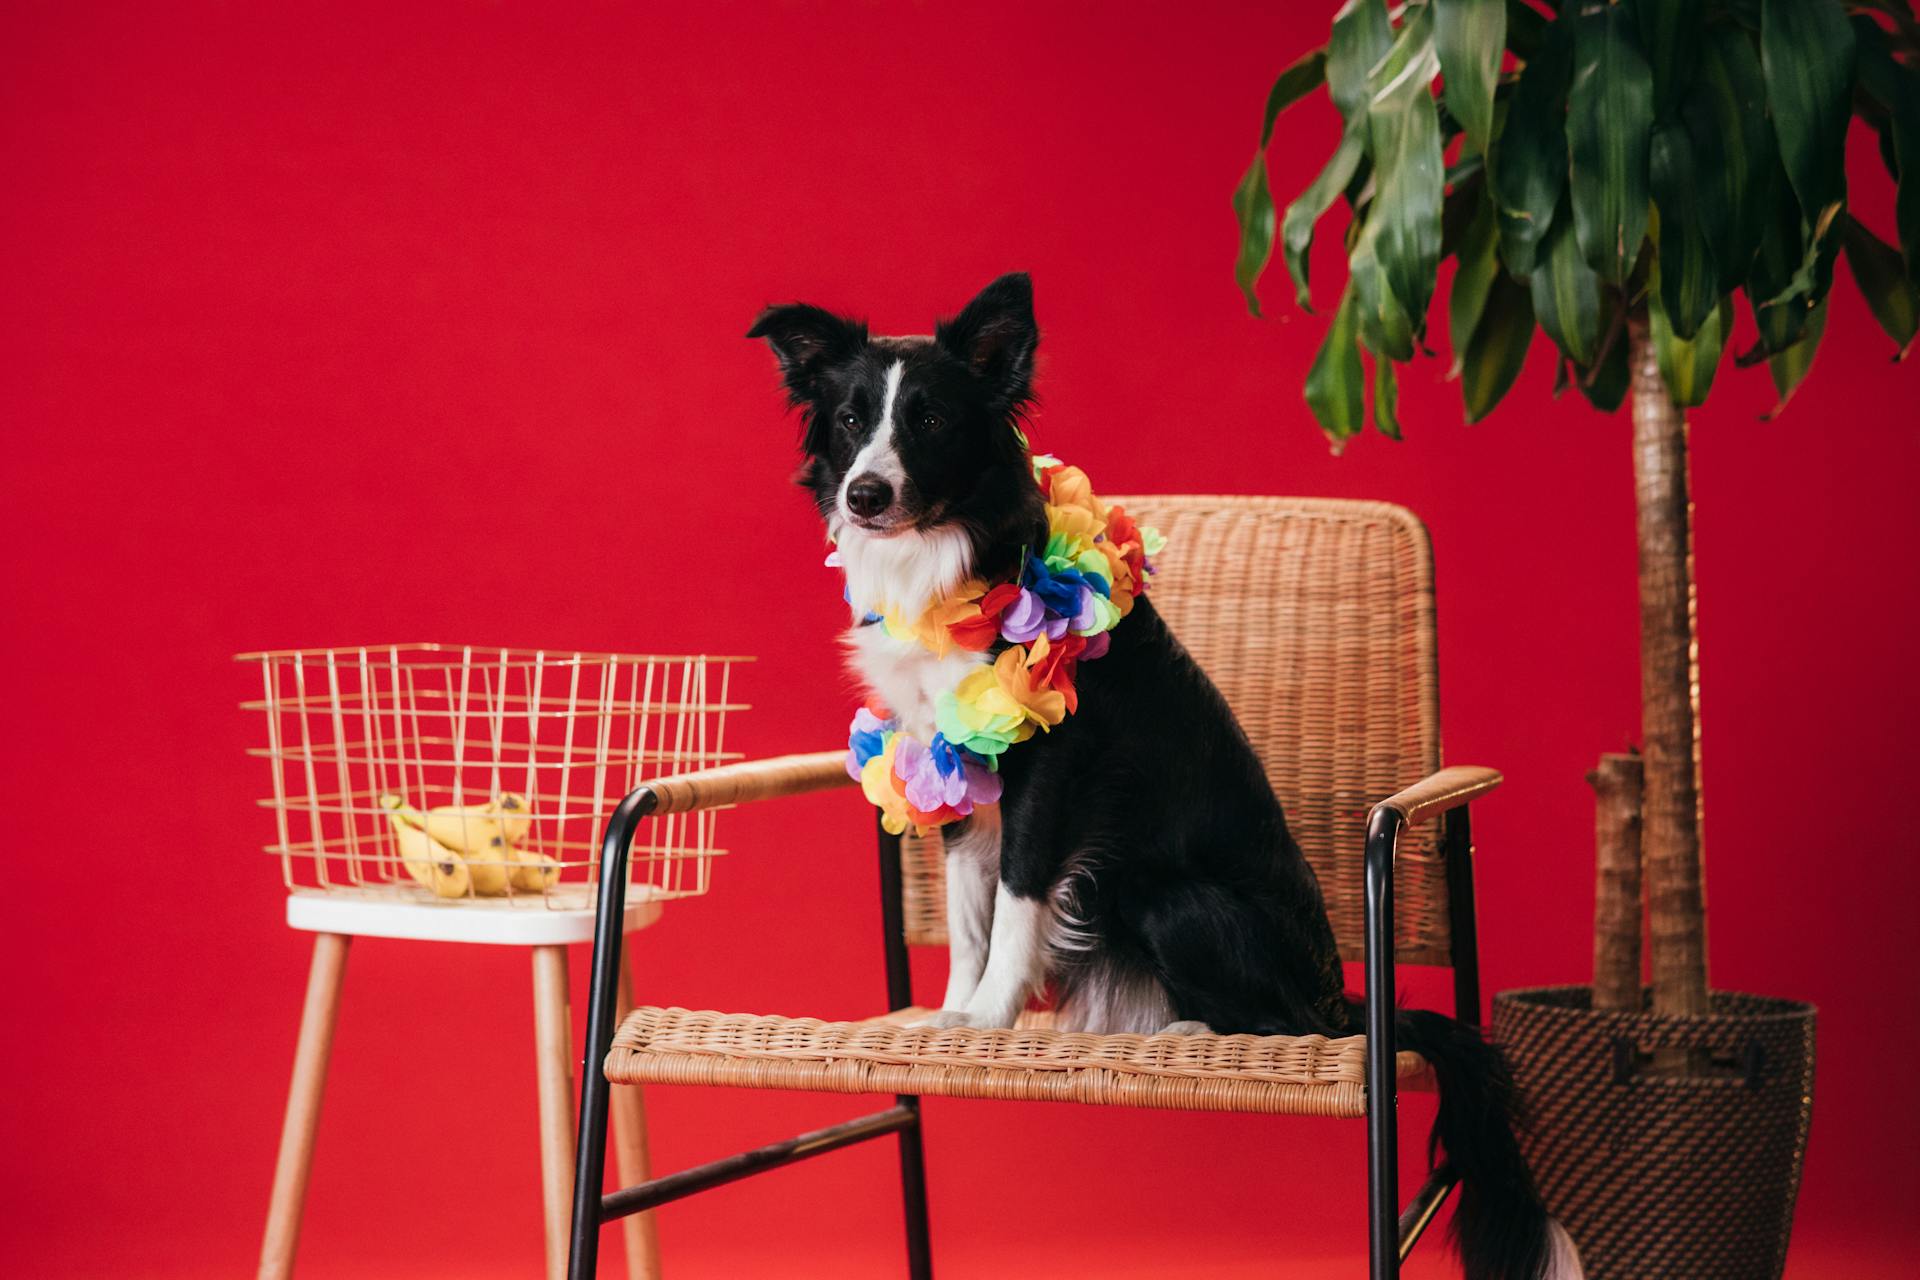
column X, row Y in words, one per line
column 849, row 421
column 932, row 421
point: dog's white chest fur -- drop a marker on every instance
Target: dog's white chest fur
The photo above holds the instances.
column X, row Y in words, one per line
column 904, row 574
column 906, row 676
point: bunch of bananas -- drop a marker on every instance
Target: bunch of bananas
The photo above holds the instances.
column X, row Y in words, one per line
column 458, row 850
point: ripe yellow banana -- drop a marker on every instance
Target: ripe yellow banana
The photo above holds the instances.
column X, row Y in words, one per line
column 431, row 863
column 469, row 831
column 472, row 828
column 490, row 869
column 533, row 872
column 511, row 809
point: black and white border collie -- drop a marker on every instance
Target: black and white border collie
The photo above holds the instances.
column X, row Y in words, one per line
column 1138, row 859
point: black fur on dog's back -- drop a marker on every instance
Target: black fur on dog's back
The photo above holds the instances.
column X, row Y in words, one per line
column 1217, row 903
column 1222, row 909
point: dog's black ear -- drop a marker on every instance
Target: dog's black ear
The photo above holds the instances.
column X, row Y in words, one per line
column 995, row 335
column 806, row 340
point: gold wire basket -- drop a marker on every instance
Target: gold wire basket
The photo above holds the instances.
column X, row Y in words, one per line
column 472, row 776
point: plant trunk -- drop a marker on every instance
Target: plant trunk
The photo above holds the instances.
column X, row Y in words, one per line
column 1616, row 897
column 1669, row 690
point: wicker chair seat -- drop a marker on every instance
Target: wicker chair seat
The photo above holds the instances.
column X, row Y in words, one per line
column 1283, row 1075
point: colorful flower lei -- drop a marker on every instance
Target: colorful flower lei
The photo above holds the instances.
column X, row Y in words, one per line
column 1070, row 593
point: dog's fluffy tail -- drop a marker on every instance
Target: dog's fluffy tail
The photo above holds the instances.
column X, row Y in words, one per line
column 1500, row 1226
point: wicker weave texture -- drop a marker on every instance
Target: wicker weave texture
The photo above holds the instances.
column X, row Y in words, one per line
column 1658, row 1175
column 1315, row 618
column 1293, row 1075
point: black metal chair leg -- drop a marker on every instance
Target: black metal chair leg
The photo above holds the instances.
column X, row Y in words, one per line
column 1383, row 1098
column 590, row 1141
column 913, row 1196
column 1456, row 847
column 913, row 1167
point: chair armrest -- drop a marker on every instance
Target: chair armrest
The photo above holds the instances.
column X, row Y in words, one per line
column 747, row 780
column 1435, row 794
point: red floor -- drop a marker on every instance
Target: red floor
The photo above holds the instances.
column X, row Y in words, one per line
column 1013, row 1253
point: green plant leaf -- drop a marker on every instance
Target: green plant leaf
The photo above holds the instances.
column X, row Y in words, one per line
column 1335, row 387
column 1896, row 87
column 1806, row 53
column 1253, row 210
column 1498, row 347
column 1882, row 126
column 1605, row 387
column 1464, row 201
column 1296, row 229
column 1812, row 275
column 1609, row 120
column 1688, row 278
column 1252, row 201
column 1307, row 73
column 1789, row 368
column 1527, row 164
column 1794, row 269
column 1733, row 151
column 1361, row 36
column 1386, row 398
column 1409, row 170
column 1385, row 328
column 1687, row 367
column 1883, row 281
column 1670, row 35
column 1777, row 310
column 1359, row 188
column 1566, row 293
column 1472, row 282
column 1526, row 29
column 1470, row 36
column 1470, row 164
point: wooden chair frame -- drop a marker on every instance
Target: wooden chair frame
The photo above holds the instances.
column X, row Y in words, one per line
column 1392, row 1231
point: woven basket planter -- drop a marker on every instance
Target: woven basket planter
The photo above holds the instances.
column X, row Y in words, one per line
column 1656, row 1175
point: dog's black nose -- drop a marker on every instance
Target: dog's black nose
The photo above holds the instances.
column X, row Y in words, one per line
column 869, row 495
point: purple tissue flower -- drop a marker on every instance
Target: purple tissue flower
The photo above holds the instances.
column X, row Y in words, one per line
column 942, row 775
column 1085, row 618
column 1024, row 619
column 866, row 738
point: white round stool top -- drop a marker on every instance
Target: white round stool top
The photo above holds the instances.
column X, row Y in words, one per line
column 516, row 922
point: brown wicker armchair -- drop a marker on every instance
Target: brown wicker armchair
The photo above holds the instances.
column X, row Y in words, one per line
column 1315, row 618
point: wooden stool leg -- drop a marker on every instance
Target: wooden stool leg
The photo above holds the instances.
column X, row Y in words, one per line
column 630, row 1148
column 553, row 1049
column 295, row 1161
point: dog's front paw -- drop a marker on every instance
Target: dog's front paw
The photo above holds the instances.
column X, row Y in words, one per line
column 1187, row 1028
column 951, row 1018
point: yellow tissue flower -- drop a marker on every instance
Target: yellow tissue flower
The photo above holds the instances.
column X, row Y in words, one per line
column 1012, row 672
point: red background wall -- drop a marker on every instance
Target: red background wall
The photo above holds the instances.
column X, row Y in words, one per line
column 424, row 321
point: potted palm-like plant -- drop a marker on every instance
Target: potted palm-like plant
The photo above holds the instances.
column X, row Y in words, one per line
column 1620, row 175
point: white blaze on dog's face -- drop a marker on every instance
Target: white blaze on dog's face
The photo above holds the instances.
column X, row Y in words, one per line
column 871, row 492
column 912, row 451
